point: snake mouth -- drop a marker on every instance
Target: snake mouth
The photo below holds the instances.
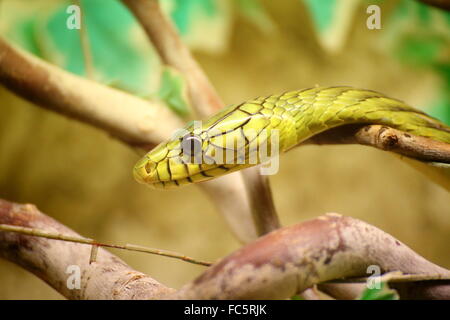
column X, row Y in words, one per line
column 146, row 172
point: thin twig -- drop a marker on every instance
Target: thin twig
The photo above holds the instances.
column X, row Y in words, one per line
column 261, row 201
column 131, row 247
column 86, row 45
column 395, row 276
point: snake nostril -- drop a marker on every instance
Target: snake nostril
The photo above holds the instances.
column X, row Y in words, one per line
column 149, row 166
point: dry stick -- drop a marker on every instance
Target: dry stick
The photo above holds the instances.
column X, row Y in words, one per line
column 314, row 293
column 69, row 238
column 205, row 101
column 86, row 45
column 395, row 276
column 55, row 261
column 291, row 259
column 261, row 200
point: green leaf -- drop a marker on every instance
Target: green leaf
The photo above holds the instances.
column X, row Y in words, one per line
column 193, row 17
column 256, row 13
column 185, row 12
column 120, row 54
column 173, row 91
column 322, row 13
column 119, row 47
column 330, row 22
column 383, row 292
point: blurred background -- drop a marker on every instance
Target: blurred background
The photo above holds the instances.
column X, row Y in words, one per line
column 82, row 177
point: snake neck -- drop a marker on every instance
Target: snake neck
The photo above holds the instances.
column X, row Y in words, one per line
column 299, row 115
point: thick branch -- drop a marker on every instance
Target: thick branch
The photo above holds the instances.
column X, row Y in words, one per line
column 107, row 278
column 283, row 263
column 292, row 259
column 387, row 139
column 136, row 121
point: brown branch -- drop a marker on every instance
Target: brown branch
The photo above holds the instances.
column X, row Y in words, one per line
column 133, row 120
column 261, row 200
column 386, row 139
column 283, row 263
column 442, row 4
column 314, row 293
column 289, row 260
column 86, row 45
column 106, row 278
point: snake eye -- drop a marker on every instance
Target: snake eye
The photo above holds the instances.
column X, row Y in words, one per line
column 192, row 145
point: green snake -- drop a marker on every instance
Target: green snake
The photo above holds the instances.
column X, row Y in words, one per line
column 294, row 116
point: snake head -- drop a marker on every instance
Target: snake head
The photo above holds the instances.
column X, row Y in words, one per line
column 204, row 150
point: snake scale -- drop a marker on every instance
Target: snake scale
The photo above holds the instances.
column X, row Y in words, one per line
column 295, row 116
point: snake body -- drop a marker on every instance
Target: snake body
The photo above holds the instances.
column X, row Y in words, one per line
column 295, row 116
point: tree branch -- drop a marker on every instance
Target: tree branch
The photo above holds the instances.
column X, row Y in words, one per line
column 262, row 205
column 289, row 260
column 133, row 120
column 386, row 139
column 106, row 278
column 277, row 266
